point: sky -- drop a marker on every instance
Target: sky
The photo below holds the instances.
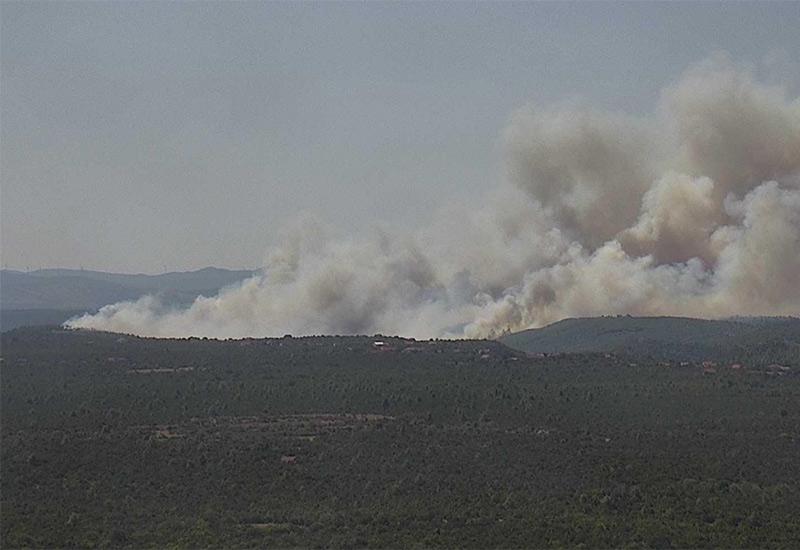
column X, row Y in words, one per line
column 153, row 136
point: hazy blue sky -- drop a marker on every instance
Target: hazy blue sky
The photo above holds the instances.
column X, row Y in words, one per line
column 138, row 136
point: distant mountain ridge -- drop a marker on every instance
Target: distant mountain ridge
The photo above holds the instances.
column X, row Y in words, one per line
column 25, row 296
column 200, row 279
column 757, row 340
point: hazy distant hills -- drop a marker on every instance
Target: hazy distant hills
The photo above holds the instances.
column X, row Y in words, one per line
column 757, row 340
column 50, row 296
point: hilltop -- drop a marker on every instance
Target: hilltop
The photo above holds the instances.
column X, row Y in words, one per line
column 757, row 340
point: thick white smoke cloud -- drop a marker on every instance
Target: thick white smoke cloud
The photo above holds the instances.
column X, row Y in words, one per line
column 694, row 211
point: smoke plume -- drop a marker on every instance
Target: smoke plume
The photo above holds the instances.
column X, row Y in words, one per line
column 693, row 211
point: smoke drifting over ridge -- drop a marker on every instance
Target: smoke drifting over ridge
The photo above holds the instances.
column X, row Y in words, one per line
column 693, row 211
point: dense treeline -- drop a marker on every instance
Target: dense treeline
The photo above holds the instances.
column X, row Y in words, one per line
column 112, row 440
column 754, row 341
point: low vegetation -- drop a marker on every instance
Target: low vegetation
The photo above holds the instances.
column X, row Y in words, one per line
column 757, row 341
column 111, row 440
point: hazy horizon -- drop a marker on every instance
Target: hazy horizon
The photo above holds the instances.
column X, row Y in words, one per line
column 414, row 185
column 151, row 273
column 415, row 169
column 149, row 137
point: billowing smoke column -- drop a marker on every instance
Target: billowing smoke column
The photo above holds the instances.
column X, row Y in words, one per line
column 693, row 211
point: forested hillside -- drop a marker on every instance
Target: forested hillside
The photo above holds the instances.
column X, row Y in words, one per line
column 755, row 341
column 111, row 440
